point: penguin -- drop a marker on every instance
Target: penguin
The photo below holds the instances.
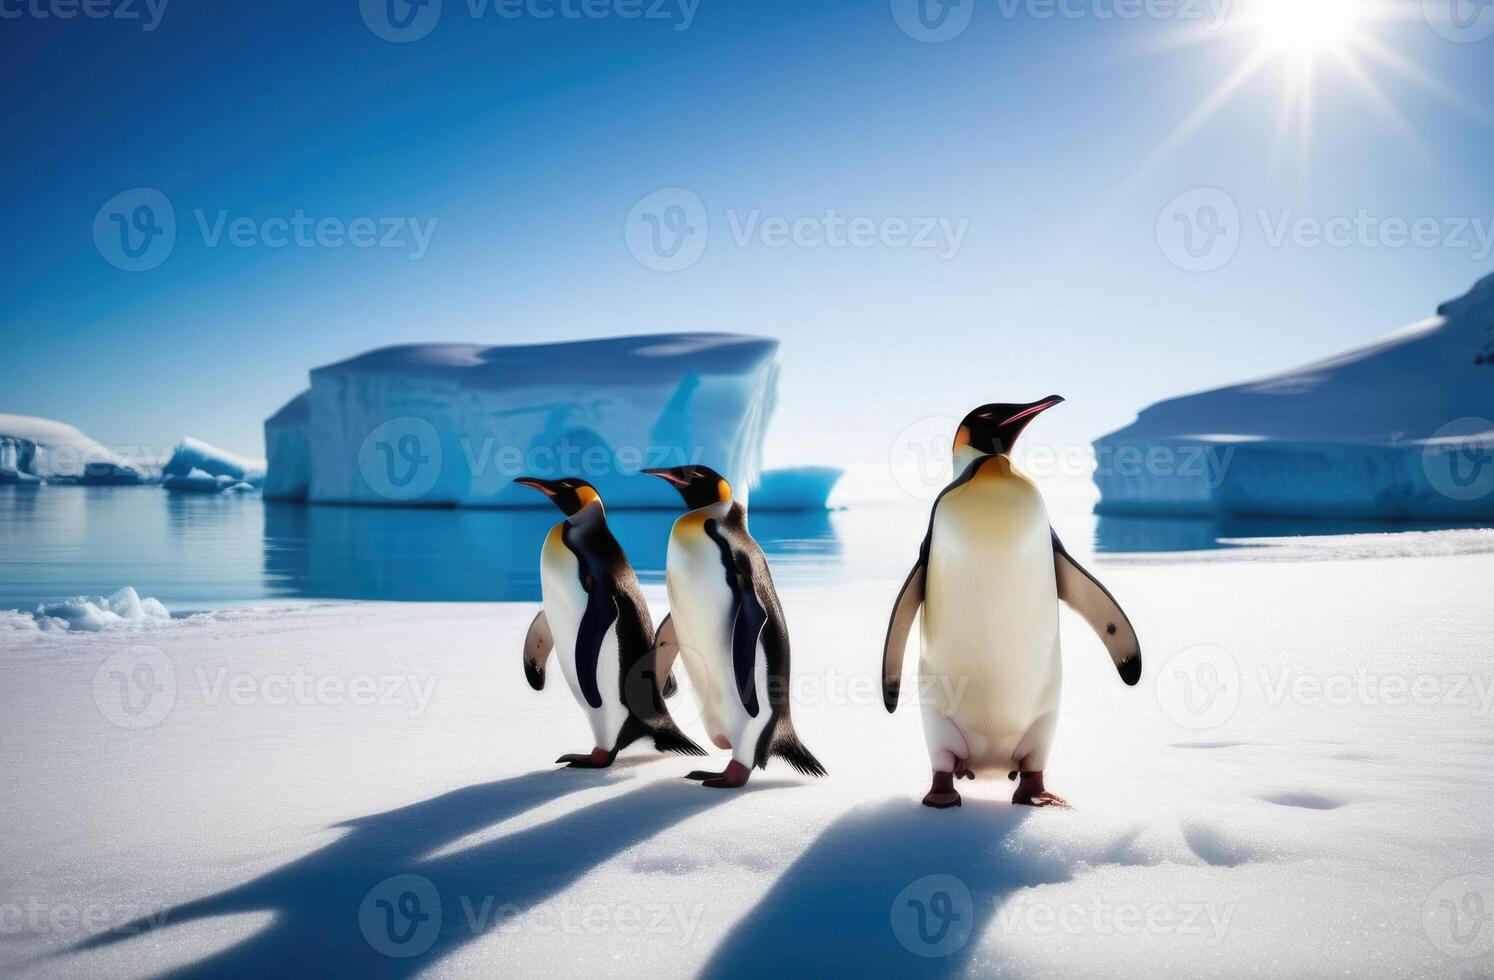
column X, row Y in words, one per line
column 595, row 616
column 989, row 577
column 727, row 624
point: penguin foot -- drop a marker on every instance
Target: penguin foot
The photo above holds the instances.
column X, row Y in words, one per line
column 598, row 759
column 701, row 775
column 942, row 795
column 733, row 777
column 1030, row 792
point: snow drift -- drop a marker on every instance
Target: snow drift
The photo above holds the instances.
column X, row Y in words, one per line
column 453, row 424
column 34, row 450
column 196, row 467
column 125, row 609
column 1398, row 430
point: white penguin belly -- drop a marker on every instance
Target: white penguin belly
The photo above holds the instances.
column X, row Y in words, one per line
column 701, row 605
column 990, row 670
column 565, row 604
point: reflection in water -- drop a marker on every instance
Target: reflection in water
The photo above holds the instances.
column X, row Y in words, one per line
column 475, row 555
column 1139, row 535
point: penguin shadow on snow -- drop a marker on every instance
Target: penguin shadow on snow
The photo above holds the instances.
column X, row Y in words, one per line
column 890, row 889
column 335, row 909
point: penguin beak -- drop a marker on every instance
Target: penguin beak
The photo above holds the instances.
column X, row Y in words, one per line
column 1028, row 411
column 543, row 486
column 670, row 475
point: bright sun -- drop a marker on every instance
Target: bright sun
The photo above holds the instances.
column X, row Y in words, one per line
column 1299, row 42
column 1306, row 27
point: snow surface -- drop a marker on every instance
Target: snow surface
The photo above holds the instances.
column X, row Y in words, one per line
column 453, row 424
column 34, row 450
column 1311, row 804
column 1397, row 430
column 197, row 467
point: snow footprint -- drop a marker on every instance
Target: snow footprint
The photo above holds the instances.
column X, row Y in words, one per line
column 1217, row 847
column 1306, row 801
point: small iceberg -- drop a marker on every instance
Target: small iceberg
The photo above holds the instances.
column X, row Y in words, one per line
column 797, row 488
column 197, row 467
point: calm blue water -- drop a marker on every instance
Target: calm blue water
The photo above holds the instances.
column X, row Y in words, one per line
column 202, row 552
column 209, row 551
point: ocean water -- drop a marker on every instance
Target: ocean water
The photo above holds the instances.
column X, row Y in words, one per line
column 197, row 552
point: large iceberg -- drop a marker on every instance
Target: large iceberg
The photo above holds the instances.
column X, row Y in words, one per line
column 197, row 467
column 1398, row 430
column 453, row 424
column 34, row 450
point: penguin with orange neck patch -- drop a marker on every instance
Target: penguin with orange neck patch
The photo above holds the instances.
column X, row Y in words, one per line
column 727, row 624
column 596, row 621
column 988, row 578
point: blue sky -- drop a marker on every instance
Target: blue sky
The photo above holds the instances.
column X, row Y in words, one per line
column 521, row 144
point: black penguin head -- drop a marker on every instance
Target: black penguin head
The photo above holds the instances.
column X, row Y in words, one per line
column 700, row 486
column 571, row 495
column 993, row 429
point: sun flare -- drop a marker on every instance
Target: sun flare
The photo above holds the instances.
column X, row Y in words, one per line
column 1302, row 47
column 1305, row 27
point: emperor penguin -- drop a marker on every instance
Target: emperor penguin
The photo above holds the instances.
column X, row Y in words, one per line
column 595, row 616
column 727, row 624
column 988, row 578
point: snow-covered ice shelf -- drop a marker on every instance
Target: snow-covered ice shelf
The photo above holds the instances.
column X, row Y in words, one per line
column 1296, row 789
column 1399, row 430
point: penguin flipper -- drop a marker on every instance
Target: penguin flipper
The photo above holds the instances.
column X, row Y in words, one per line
column 909, row 600
column 748, row 618
column 1091, row 600
column 666, row 649
column 537, row 646
column 601, row 613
